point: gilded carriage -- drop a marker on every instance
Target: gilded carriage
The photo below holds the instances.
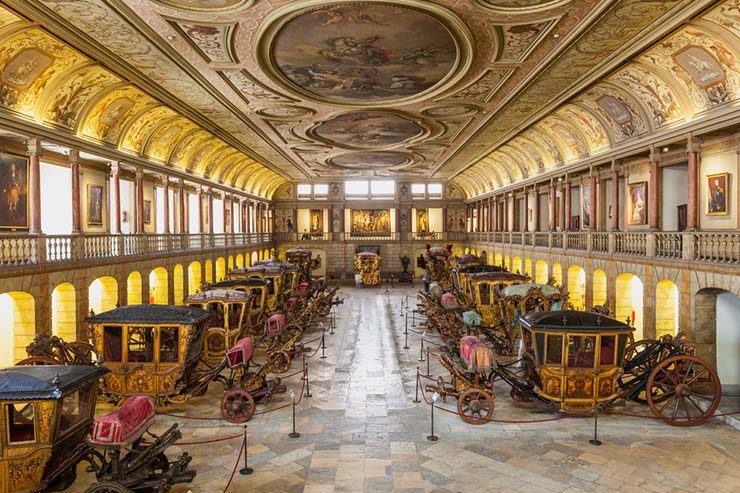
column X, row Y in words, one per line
column 47, row 413
column 461, row 276
column 367, row 264
column 230, row 309
column 438, row 261
column 278, row 277
column 483, row 292
column 258, row 289
column 303, row 259
column 152, row 350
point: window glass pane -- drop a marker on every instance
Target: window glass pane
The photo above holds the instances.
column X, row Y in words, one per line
column 485, row 293
column 581, row 351
column 168, row 343
column 304, row 189
column 607, row 350
column 435, row 189
column 112, row 344
column 321, row 189
column 74, row 408
column 140, row 345
column 417, row 188
column 383, row 187
column 554, row 350
column 235, row 311
column 20, row 422
column 356, row 187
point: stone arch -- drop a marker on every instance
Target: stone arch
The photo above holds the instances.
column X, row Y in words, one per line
column 557, row 273
column 208, row 275
column 577, row 286
column 628, row 301
column 528, row 268
column 103, row 294
column 17, row 324
column 194, row 277
column 516, row 265
column 541, row 272
column 598, row 287
column 220, row 269
column 133, row 289
column 239, row 261
column 159, row 286
column 178, row 284
column 716, row 336
column 64, row 312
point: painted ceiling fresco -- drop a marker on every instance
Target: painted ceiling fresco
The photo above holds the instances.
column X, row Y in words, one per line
column 251, row 93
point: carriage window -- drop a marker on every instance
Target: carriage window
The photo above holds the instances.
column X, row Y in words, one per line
column 74, row 409
column 20, row 422
column 581, row 351
column 484, row 291
column 270, row 287
column 140, row 345
column 554, row 350
column 168, row 344
column 235, row 311
column 607, row 350
column 218, row 314
column 113, row 344
column 257, row 298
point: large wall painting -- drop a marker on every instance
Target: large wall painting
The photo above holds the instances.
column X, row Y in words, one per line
column 637, row 203
column 364, row 52
column 13, row 192
column 717, row 191
column 94, row 205
column 317, row 220
column 371, row 221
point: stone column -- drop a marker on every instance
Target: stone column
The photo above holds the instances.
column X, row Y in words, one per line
column 494, row 214
column 139, row 202
column 692, row 208
column 74, row 164
column 244, row 217
column 536, row 210
column 201, row 212
column 34, row 185
column 210, row 211
column 654, row 191
column 567, row 204
column 181, row 197
column 592, row 201
column 614, row 221
column 115, row 191
column 525, row 226
column 553, row 199
column 166, row 205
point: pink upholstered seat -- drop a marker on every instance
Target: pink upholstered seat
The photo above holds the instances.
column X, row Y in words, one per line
column 125, row 425
column 448, row 301
column 291, row 303
column 475, row 355
column 302, row 289
column 274, row 325
column 241, row 353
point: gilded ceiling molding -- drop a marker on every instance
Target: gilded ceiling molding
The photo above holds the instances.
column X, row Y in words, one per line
column 521, row 7
column 207, row 6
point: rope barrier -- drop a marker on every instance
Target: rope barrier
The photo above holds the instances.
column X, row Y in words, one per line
column 214, row 440
column 236, row 466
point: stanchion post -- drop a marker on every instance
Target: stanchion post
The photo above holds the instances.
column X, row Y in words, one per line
column 406, row 332
column 246, row 470
column 421, row 347
column 333, row 323
column 294, row 434
column 308, row 389
column 305, row 376
column 323, row 345
column 429, row 372
column 413, row 318
column 418, row 382
column 432, row 437
column 596, row 440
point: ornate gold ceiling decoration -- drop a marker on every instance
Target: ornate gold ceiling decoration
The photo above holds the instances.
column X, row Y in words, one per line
column 371, row 160
column 362, row 53
column 371, row 129
column 206, row 5
column 521, row 6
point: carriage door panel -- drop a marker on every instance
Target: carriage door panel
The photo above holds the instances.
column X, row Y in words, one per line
column 169, row 352
column 139, row 368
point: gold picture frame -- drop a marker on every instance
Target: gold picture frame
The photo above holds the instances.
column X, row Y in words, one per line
column 637, row 203
column 94, row 205
column 718, row 194
column 14, row 196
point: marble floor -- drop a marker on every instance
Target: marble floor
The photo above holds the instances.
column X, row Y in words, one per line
column 361, row 431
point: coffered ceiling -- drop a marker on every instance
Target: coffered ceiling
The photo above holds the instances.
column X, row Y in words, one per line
column 308, row 89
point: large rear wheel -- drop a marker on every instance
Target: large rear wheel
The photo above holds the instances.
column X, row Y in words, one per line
column 475, row 406
column 108, row 487
column 237, row 406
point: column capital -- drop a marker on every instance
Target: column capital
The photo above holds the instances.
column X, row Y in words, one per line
column 693, row 144
column 33, row 144
column 654, row 154
column 115, row 167
column 74, row 156
column 139, row 172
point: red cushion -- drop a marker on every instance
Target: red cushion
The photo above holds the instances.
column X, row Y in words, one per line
column 125, row 425
column 274, row 325
column 241, row 353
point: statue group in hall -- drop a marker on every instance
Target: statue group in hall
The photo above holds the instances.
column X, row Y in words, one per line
column 498, row 325
column 147, row 356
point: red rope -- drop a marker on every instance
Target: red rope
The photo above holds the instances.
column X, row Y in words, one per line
column 236, row 465
column 214, row 440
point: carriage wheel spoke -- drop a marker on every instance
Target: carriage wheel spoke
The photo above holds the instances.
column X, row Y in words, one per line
column 688, row 371
column 686, row 409
column 693, row 403
column 675, row 410
column 697, row 376
column 665, row 404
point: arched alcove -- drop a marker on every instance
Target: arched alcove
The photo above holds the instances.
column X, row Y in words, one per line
column 158, row 287
column 103, row 294
column 64, row 312
column 17, row 326
column 629, row 302
column 577, row 286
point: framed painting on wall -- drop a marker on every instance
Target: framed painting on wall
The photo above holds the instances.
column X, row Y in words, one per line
column 718, row 200
column 13, row 192
column 585, row 206
column 147, row 212
column 371, row 221
column 94, row 205
column 317, row 220
column 422, row 220
column 637, row 203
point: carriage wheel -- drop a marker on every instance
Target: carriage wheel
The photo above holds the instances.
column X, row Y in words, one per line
column 684, row 391
column 280, row 361
column 80, row 353
column 108, row 487
column 37, row 361
column 475, row 406
column 237, row 406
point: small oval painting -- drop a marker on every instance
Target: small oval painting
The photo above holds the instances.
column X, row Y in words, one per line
column 369, row 160
column 364, row 52
column 518, row 4
column 371, row 129
column 204, row 5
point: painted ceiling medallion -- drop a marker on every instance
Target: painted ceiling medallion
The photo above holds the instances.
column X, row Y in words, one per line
column 451, row 111
column 285, row 112
column 204, row 5
column 362, row 52
column 368, row 130
column 522, row 5
column 368, row 160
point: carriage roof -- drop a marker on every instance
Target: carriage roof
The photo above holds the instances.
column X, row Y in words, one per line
column 230, row 295
column 46, row 382
column 572, row 321
column 298, row 251
column 477, row 268
column 502, row 276
column 154, row 314
column 367, row 254
column 523, row 289
column 469, row 259
column 229, row 283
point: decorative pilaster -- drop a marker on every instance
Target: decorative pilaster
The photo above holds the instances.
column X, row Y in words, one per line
column 614, row 221
column 654, row 191
column 115, row 192
column 34, row 185
column 139, row 201
column 74, row 164
column 692, row 208
column 166, row 205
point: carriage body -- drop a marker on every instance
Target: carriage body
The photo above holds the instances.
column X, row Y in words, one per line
column 367, row 264
column 461, row 276
column 575, row 357
column 45, row 414
column 229, row 309
column 150, row 349
column 484, row 291
column 303, row 259
column 258, row 305
column 439, row 265
column 272, row 276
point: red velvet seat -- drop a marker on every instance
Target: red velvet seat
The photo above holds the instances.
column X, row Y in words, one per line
column 241, row 353
column 125, row 425
column 274, row 325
